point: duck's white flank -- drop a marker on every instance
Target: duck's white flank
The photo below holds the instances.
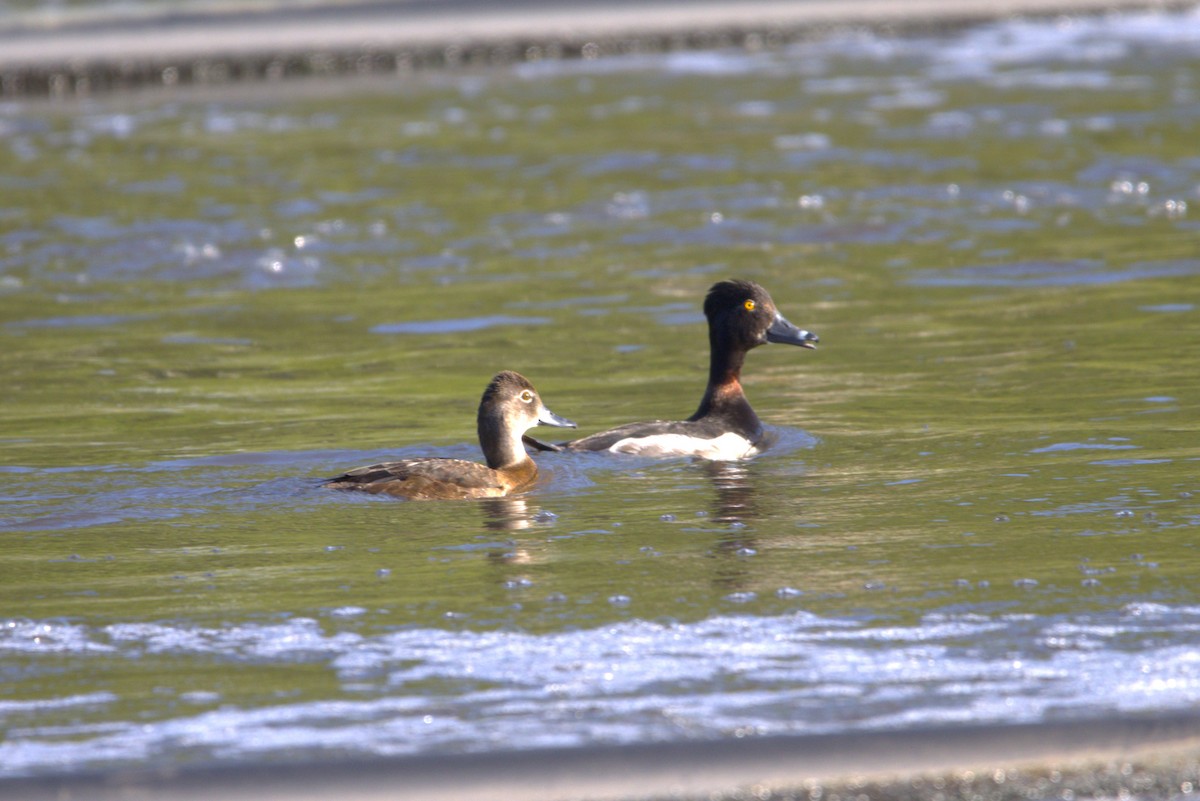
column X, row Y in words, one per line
column 728, row 447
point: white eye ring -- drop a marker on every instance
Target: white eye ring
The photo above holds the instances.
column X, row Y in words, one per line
column 527, row 396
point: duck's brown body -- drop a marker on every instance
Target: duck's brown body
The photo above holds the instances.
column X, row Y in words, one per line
column 510, row 406
column 438, row 479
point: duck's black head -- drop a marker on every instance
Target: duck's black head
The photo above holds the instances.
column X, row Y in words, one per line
column 742, row 315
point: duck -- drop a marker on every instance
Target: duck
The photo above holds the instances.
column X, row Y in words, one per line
column 510, row 406
column 741, row 316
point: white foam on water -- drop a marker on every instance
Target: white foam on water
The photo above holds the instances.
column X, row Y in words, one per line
column 420, row 690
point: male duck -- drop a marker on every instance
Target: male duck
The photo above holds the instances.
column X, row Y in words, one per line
column 510, row 407
column 741, row 316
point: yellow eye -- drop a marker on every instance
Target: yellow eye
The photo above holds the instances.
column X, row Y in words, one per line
column 527, row 396
column 750, row 305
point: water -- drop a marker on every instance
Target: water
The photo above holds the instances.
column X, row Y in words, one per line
column 982, row 504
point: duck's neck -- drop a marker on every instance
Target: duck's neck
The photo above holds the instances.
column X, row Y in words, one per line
column 501, row 445
column 724, row 397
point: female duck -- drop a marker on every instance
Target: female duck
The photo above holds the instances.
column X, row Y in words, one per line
column 510, row 407
column 741, row 316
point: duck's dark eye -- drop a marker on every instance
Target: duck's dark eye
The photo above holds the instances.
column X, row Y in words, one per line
column 527, row 396
column 750, row 305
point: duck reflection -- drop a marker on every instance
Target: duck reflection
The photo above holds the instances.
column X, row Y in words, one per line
column 735, row 504
column 734, row 501
column 734, row 507
column 508, row 515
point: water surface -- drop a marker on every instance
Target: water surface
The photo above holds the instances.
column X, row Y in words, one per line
column 983, row 500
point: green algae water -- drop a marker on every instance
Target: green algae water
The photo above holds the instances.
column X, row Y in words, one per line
column 983, row 501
